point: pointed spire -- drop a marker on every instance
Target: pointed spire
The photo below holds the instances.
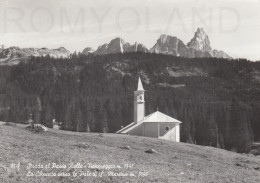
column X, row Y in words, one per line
column 140, row 85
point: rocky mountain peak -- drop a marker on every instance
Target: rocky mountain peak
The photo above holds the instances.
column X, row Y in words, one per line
column 118, row 45
column 139, row 48
column 88, row 51
column 163, row 38
column 199, row 46
column 117, row 40
column 62, row 49
column 166, row 39
column 200, row 41
column 168, row 45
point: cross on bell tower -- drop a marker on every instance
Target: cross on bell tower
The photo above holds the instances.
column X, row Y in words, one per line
column 139, row 103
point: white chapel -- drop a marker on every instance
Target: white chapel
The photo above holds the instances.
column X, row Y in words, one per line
column 157, row 124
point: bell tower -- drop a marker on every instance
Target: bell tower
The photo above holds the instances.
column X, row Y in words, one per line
column 139, row 103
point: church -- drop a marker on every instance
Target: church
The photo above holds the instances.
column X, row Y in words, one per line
column 157, row 124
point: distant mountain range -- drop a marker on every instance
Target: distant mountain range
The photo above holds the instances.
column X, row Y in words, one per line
column 13, row 55
column 199, row 46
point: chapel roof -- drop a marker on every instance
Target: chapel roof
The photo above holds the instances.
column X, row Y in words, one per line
column 151, row 118
column 159, row 117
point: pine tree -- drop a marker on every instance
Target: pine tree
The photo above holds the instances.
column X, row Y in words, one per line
column 239, row 135
column 99, row 123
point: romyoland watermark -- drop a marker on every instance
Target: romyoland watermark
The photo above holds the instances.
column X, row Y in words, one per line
column 12, row 17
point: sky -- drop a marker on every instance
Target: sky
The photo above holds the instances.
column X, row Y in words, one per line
column 232, row 25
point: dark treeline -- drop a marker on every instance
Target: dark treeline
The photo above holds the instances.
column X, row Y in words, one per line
column 218, row 100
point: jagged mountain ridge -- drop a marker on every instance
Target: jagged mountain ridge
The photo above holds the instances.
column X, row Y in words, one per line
column 200, row 41
column 199, row 46
column 13, row 55
column 169, row 45
column 118, row 45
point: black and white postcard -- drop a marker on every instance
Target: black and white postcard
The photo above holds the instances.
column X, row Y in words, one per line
column 129, row 91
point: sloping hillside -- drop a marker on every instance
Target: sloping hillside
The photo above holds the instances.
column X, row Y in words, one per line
column 174, row 162
column 217, row 100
